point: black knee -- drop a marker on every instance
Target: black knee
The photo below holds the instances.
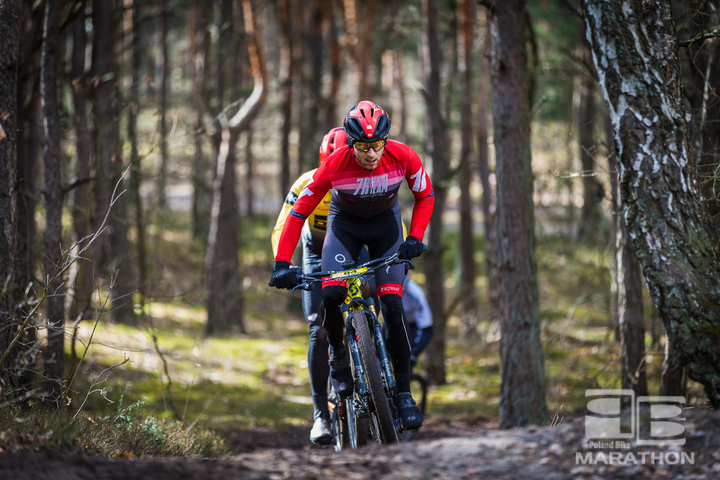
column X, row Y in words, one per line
column 393, row 310
column 335, row 295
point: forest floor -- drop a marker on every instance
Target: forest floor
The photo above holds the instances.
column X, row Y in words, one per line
column 442, row 449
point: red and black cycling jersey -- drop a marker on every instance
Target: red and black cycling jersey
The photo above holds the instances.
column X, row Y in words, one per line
column 361, row 192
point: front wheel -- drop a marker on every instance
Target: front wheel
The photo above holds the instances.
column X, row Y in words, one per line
column 382, row 416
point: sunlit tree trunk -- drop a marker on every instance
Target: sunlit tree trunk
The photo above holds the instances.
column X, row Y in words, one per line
column 53, row 257
column 634, row 43
column 438, row 149
column 522, row 387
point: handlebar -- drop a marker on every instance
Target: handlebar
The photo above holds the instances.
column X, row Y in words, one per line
column 307, row 279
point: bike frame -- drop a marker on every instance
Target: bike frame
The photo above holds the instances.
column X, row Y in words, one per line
column 354, row 302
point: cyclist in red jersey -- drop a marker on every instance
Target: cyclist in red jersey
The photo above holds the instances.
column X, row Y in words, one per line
column 365, row 177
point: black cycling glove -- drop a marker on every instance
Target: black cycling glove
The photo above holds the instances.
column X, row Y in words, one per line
column 411, row 248
column 283, row 276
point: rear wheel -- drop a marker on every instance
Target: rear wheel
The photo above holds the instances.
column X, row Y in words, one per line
column 357, row 427
column 339, row 425
column 382, row 416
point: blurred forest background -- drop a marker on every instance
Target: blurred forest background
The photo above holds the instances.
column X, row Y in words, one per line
column 156, row 142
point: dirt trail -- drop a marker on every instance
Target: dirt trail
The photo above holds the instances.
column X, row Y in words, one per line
column 444, row 450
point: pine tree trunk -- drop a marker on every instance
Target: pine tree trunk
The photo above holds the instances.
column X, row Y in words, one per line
column 81, row 201
column 486, row 203
column 10, row 35
column 468, row 305
column 115, row 249
column 53, row 257
column 522, row 388
column 438, row 148
column 285, row 18
column 590, row 214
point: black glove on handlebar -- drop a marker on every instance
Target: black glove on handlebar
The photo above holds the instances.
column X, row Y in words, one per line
column 283, row 276
column 411, row 248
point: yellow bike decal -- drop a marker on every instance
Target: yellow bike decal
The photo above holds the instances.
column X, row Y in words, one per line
column 349, row 273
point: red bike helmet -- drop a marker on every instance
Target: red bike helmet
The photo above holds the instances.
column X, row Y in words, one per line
column 332, row 140
column 367, row 122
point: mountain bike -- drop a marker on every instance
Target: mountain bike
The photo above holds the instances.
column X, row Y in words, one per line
column 371, row 408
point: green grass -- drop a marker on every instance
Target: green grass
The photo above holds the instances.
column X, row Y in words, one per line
column 260, row 379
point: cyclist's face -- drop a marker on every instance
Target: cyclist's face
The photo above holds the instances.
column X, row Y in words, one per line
column 370, row 159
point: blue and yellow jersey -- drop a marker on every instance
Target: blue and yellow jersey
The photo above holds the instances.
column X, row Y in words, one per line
column 316, row 222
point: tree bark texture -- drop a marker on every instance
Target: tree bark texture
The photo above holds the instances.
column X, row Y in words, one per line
column 522, row 388
column 135, row 159
column 438, row 148
column 487, row 201
column 201, row 174
column 81, row 201
column 311, row 72
column 635, row 53
column 10, row 29
column 52, row 191
column 115, row 255
column 468, row 270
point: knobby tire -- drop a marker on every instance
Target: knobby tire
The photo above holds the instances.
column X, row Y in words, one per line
column 369, row 358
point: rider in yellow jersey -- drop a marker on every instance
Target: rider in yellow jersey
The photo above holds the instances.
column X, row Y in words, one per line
column 313, row 235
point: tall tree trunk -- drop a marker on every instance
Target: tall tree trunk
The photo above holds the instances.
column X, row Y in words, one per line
column 222, row 265
column 438, row 148
column 224, row 306
column 486, row 203
column 312, row 62
column 53, row 257
column 135, row 160
column 202, row 192
column 590, row 214
column 10, row 36
column 285, row 18
column 468, row 294
column 335, row 69
column 81, row 202
column 522, row 388
column 29, row 147
column 115, row 255
column 634, row 44
column 164, row 95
